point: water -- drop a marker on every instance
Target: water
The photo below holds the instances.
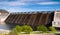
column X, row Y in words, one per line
column 4, row 28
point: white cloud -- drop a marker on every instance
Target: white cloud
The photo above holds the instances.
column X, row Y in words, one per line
column 48, row 3
column 27, row 2
column 14, row 3
column 34, row 1
column 31, row 0
column 19, row 10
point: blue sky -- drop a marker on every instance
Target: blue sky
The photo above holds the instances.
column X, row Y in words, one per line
column 29, row 5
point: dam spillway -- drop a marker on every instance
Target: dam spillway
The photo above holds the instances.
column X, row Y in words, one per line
column 3, row 26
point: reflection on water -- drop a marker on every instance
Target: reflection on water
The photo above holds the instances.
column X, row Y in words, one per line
column 4, row 26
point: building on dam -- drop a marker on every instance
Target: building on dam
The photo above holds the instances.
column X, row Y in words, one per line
column 56, row 21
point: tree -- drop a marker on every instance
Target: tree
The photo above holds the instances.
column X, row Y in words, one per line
column 42, row 28
column 52, row 29
column 27, row 29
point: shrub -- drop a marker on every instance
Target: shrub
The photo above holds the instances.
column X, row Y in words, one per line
column 42, row 28
column 18, row 28
column 52, row 29
column 27, row 29
column 13, row 32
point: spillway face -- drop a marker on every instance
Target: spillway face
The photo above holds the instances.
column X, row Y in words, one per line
column 33, row 19
column 3, row 15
